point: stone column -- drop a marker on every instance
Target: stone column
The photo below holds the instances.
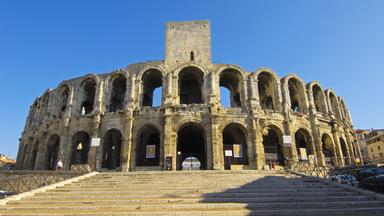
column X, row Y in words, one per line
column 217, row 151
column 93, row 150
column 254, row 96
column 127, row 141
column 168, row 90
column 339, row 153
column 257, row 143
column 169, row 138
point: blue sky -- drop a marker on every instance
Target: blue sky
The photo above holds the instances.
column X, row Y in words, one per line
column 340, row 43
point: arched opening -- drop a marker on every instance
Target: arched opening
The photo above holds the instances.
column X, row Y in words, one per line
column 119, row 86
column 328, row 151
column 87, row 96
column 231, row 80
column 273, row 146
column 35, row 149
column 191, row 143
column 344, row 111
column 62, row 101
column 148, row 146
column 43, row 107
column 334, row 105
column 152, row 88
column 344, row 150
column 52, row 153
column 267, row 87
column 318, row 98
column 296, row 95
column 303, row 144
column 191, row 85
column 111, row 149
column 80, row 148
column 234, row 145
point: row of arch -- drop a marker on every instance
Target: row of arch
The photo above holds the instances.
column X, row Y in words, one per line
column 191, row 142
column 191, row 85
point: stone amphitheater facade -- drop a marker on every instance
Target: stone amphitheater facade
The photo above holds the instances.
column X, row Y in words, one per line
column 108, row 121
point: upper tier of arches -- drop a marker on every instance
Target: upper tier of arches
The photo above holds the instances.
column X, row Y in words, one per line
column 189, row 84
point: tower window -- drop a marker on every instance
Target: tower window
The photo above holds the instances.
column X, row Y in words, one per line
column 192, row 56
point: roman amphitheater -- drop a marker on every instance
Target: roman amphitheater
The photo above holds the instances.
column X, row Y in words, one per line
column 111, row 122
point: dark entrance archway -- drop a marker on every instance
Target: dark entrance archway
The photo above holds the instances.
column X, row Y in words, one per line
column 273, row 146
column 52, row 153
column 234, row 141
column 191, row 143
column 303, row 141
column 148, row 146
column 111, row 149
column 191, row 83
column 80, row 148
column 328, row 151
column 344, row 150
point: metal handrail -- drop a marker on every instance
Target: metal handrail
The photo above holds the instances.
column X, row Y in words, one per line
column 19, row 181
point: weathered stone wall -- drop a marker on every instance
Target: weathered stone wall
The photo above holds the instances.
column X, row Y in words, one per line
column 284, row 105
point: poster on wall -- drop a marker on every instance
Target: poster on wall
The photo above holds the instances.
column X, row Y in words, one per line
column 237, row 150
column 95, row 142
column 151, row 151
column 303, row 154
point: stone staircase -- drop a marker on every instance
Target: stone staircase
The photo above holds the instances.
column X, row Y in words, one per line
column 197, row 193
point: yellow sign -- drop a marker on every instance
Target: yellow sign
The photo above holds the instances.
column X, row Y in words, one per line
column 237, row 150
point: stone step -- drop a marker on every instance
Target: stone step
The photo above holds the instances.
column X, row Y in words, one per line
column 97, row 191
column 194, row 207
column 312, row 212
column 180, row 195
column 120, row 201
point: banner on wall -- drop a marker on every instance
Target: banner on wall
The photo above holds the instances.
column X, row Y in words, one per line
column 237, row 150
column 151, row 151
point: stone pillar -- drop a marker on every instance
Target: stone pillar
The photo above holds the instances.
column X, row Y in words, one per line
column 254, row 96
column 127, row 141
column 259, row 155
column 217, row 150
column 339, row 153
column 98, row 109
column 169, row 138
column 168, row 90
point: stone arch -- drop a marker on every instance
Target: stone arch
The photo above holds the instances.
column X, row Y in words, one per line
column 191, row 143
column 318, row 95
column 35, row 150
column 87, row 95
column 273, row 144
column 62, row 100
column 303, row 141
column 234, row 139
column 148, row 146
column 344, row 150
column 268, row 89
column 43, row 105
column 80, row 148
column 334, row 104
column 295, row 93
column 344, row 109
column 117, row 91
column 112, row 143
column 151, row 79
column 232, row 79
column 191, row 85
column 328, row 149
column 52, row 152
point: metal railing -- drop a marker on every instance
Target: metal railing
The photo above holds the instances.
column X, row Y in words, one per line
column 344, row 175
column 19, row 181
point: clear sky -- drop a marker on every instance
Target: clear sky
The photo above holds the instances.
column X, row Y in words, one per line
column 340, row 43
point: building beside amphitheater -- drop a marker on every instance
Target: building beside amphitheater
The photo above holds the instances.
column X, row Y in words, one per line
column 109, row 121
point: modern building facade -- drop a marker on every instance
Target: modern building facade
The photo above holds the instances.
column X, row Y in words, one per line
column 108, row 121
